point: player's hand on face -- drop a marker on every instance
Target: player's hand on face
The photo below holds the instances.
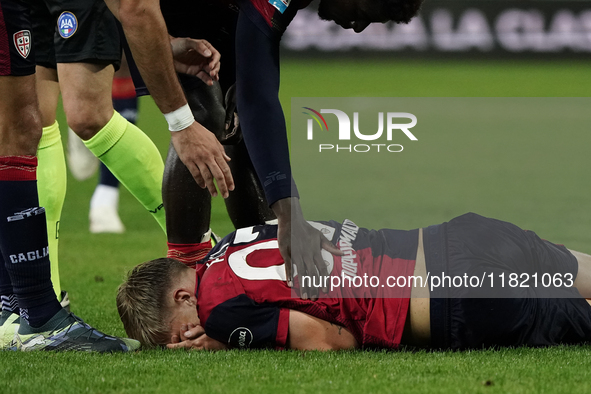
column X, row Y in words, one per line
column 301, row 246
column 196, row 57
column 193, row 337
column 204, row 157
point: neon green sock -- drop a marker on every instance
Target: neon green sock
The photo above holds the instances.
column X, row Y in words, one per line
column 134, row 159
column 51, row 185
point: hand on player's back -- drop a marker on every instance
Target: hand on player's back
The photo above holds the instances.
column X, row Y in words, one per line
column 301, row 245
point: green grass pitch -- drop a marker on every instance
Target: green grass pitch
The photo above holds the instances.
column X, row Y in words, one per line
column 92, row 266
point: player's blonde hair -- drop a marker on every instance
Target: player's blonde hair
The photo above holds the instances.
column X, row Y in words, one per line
column 142, row 300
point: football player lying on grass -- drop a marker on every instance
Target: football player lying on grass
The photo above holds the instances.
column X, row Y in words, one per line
column 478, row 282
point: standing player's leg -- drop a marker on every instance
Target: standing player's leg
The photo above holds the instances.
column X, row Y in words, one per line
column 128, row 153
column 246, row 205
column 104, row 215
column 51, row 173
column 187, row 206
column 23, row 281
column 25, row 274
column 87, row 50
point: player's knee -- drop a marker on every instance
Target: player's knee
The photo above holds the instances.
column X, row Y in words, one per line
column 26, row 131
column 86, row 121
column 208, row 108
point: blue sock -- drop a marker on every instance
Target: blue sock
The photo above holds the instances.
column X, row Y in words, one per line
column 107, row 178
column 23, row 241
column 8, row 300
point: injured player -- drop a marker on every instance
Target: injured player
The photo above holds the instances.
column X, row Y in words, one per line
column 469, row 283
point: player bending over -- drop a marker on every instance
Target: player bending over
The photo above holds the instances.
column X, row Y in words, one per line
column 237, row 297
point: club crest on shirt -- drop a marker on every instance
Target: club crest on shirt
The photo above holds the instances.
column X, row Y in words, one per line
column 67, row 24
column 22, row 42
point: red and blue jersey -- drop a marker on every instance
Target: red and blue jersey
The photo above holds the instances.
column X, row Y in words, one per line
column 243, row 298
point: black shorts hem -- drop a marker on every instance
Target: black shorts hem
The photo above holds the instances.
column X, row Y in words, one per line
column 20, row 72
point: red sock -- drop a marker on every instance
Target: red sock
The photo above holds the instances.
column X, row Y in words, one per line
column 123, row 88
column 189, row 254
column 18, row 168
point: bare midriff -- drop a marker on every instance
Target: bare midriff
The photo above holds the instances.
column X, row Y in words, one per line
column 417, row 330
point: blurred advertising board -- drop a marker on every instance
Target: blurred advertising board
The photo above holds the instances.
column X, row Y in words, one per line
column 484, row 28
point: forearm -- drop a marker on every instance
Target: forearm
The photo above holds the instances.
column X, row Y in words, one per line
column 149, row 42
column 261, row 115
column 287, row 209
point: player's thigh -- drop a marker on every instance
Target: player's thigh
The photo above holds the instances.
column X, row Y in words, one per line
column 484, row 323
column 20, row 128
column 48, row 91
column 206, row 102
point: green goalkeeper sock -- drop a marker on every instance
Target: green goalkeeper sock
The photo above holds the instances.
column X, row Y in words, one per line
column 51, row 186
column 134, row 159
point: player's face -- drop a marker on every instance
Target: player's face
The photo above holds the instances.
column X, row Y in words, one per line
column 183, row 315
column 352, row 14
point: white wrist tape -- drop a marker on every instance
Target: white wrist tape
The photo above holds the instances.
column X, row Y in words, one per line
column 180, row 119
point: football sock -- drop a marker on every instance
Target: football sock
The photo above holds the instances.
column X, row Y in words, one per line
column 10, row 304
column 51, row 185
column 125, row 102
column 23, row 240
column 134, row 159
column 189, row 254
column 8, row 301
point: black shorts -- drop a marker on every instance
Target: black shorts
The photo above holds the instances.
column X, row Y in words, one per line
column 16, row 41
column 71, row 31
column 466, row 317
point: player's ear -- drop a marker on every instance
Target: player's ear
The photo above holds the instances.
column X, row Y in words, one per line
column 181, row 295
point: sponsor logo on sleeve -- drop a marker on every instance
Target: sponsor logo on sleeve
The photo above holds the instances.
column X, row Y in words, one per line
column 240, row 338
